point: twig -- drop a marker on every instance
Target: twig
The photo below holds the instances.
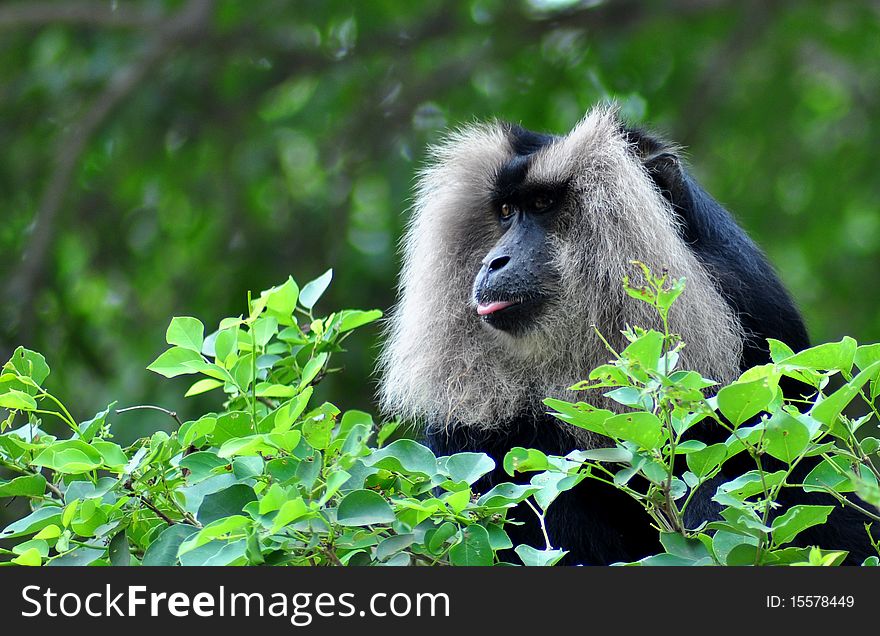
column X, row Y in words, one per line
column 331, row 555
column 149, row 504
column 151, row 407
column 541, row 521
column 102, row 14
column 24, row 470
column 186, row 23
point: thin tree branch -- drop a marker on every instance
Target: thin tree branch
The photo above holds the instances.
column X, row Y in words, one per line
column 152, row 407
column 102, row 14
column 22, row 288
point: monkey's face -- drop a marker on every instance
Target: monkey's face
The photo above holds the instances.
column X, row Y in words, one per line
column 517, row 279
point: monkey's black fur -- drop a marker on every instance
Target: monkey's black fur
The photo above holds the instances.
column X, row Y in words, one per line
column 597, row 523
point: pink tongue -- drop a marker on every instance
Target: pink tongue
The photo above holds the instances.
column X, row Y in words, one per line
column 484, row 309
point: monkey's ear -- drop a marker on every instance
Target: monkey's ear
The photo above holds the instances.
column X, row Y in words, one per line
column 670, row 177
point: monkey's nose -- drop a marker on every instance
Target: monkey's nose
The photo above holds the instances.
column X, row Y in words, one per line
column 497, row 263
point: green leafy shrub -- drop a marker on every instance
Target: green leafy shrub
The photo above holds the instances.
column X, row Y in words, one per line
column 662, row 403
column 273, row 478
column 269, row 479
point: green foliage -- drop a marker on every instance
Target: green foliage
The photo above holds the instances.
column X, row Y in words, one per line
column 271, row 478
column 663, row 403
column 276, row 478
column 287, row 134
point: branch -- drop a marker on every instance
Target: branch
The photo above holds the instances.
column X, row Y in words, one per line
column 154, row 408
column 22, row 287
column 103, row 14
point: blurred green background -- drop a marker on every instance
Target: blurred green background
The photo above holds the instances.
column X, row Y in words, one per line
column 164, row 157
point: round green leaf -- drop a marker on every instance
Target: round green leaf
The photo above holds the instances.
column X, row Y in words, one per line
column 742, row 400
column 163, row 551
column 473, row 549
column 186, row 332
column 363, row 508
column 225, row 503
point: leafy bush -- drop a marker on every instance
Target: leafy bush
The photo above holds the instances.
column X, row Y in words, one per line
column 664, row 403
column 274, row 479
column 269, row 479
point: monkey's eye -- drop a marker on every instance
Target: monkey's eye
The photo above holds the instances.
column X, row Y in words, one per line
column 541, row 202
column 506, row 210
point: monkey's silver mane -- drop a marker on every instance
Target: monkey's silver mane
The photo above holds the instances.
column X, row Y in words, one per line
column 441, row 365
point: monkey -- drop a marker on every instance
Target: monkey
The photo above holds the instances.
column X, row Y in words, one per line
column 512, row 260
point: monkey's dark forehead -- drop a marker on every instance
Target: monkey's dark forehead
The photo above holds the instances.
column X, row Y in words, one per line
column 524, row 143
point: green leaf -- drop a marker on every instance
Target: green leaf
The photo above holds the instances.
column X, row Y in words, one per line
column 505, row 495
column 779, row 351
column 34, row 522
column 25, row 486
column 29, row 364
column 195, row 494
column 538, row 558
column 174, row 362
column 436, row 542
column 17, row 401
column 834, row 473
column 829, row 355
column 282, row 299
column 313, row 290
column 71, row 457
column 750, row 484
column 691, row 549
column 404, row 455
column 30, row 557
column 741, row 401
column 520, row 459
column 192, row 431
column 311, row 369
column 317, row 430
column 642, row 428
column 221, row 528
column 186, row 332
column 243, row 371
column 785, row 437
column 363, row 508
column 225, row 344
column 118, row 551
column 796, row 519
column 263, row 329
column 114, row 458
column 231, row 425
column 225, row 503
column 866, row 355
column 202, row 386
column 704, row 461
column 90, row 428
column 581, row 415
column 248, row 445
column 830, row 408
column 552, row 484
column 392, row 545
column 289, row 512
column 466, row 467
column 352, row 319
column 646, row 350
column 201, row 465
column 473, row 549
column 216, row 553
column 163, row 551
column 287, row 413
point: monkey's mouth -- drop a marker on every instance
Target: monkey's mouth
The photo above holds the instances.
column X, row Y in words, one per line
column 512, row 316
column 488, row 308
